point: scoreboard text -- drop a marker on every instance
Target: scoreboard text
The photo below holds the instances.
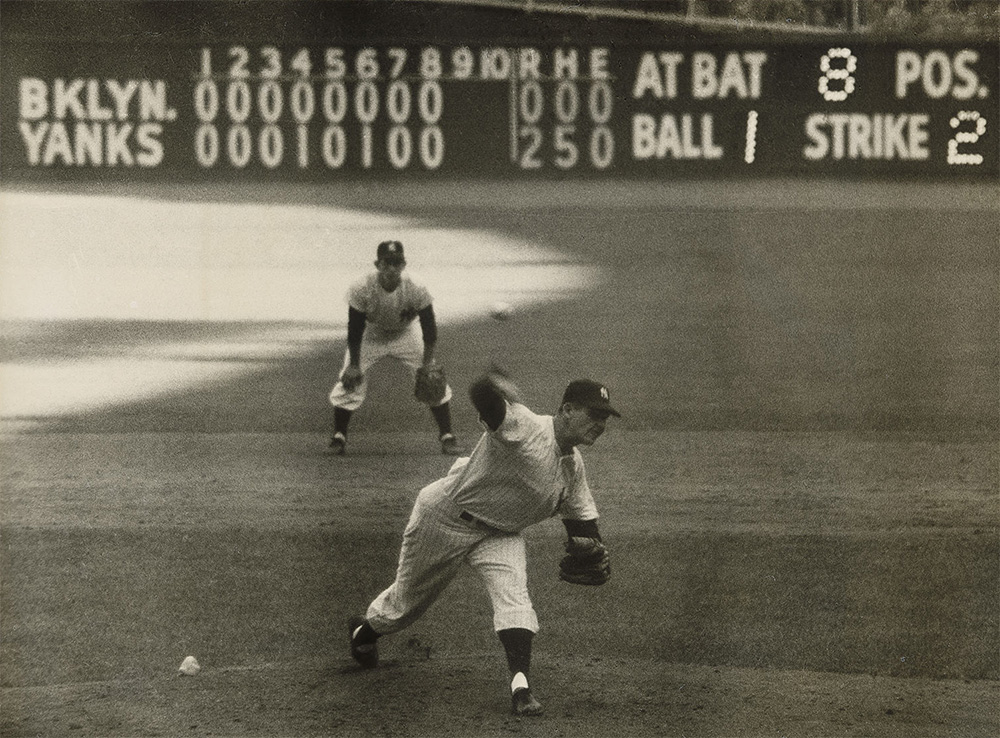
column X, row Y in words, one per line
column 342, row 111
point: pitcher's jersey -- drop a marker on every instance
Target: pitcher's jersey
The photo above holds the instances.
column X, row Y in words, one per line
column 517, row 476
column 388, row 313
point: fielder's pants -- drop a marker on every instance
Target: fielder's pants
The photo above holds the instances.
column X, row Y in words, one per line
column 407, row 347
column 436, row 543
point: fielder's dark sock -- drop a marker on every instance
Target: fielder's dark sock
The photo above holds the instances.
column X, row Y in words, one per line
column 517, row 643
column 366, row 634
column 442, row 416
column 341, row 419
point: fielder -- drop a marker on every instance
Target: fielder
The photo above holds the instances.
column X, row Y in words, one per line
column 381, row 323
column 524, row 469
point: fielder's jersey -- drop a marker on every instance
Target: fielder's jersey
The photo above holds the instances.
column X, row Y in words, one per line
column 388, row 313
column 517, row 476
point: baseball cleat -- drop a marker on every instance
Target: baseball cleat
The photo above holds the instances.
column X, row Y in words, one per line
column 524, row 704
column 365, row 654
column 449, row 445
column 338, row 444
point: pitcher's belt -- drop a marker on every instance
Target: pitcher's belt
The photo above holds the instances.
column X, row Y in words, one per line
column 470, row 518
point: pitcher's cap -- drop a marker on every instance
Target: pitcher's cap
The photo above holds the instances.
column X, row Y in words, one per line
column 390, row 251
column 590, row 394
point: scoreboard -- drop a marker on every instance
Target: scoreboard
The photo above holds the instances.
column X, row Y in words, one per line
column 356, row 107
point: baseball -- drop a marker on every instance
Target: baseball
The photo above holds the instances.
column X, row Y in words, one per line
column 500, row 311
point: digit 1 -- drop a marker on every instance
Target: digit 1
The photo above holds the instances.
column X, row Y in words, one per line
column 749, row 153
column 303, row 147
column 512, row 92
column 366, row 146
column 206, row 62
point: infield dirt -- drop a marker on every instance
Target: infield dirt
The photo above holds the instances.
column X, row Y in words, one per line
column 801, row 501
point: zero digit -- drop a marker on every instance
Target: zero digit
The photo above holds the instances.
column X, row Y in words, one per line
column 303, row 101
column 602, row 147
column 238, row 101
column 532, row 102
column 272, row 146
column 334, row 101
column 599, row 102
column 400, row 146
column 239, row 146
column 206, row 145
column 398, row 101
column 334, row 146
column 431, row 147
column 430, row 101
column 270, row 101
column 206, row 100
column 567, row 102
column 366, row 102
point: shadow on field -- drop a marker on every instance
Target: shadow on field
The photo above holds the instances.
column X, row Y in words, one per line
column 858, row 347
column 764, row 319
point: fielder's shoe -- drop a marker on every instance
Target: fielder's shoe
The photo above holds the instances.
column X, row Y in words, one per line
column 365, row 654
column 524, row 704
column 449, row 445
column 338, row 444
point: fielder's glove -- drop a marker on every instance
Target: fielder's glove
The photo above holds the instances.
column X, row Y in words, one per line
column 351, row 377
column 430, row 384
column 586, row 562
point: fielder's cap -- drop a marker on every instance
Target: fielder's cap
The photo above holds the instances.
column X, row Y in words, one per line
column 589, row 394
column 390, row 251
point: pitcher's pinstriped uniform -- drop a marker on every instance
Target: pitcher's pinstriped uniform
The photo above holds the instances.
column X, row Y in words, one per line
column 526, row 468
column 514, row 478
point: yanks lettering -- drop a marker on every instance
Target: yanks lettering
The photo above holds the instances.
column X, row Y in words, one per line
column 100, row 122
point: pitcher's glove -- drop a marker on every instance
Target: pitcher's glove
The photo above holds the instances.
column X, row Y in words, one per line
column 430, row 384
column 586, row 562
